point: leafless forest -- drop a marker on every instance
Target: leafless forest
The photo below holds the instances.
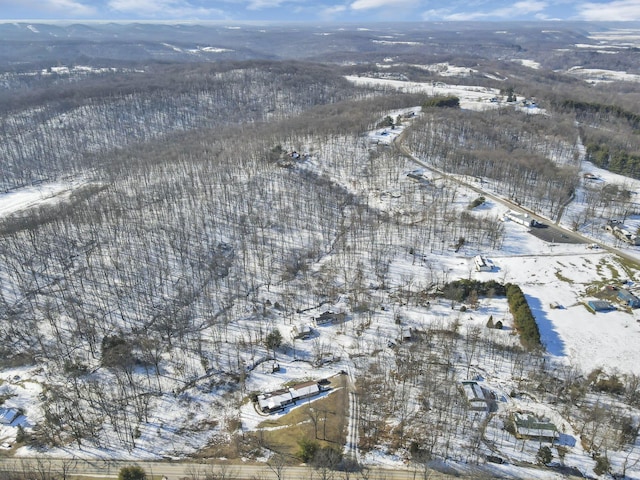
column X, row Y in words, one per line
column 150, row 279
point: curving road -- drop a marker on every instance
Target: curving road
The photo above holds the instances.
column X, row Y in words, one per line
column 552, row 233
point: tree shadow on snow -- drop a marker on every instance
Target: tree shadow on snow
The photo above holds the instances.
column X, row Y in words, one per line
column 548, row 334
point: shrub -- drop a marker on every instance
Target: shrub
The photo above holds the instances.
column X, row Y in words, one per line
column 611, row 385
column 476, row 203
column 117, row 351
column 21, row 435
column 274, row 339
column 132, row 473
column 308, row 449
column 450, row 101
column 544, row 455
column 602, row 465
column 459, row 289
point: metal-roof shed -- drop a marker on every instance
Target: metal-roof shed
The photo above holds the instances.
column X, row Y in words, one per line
column 599, row 305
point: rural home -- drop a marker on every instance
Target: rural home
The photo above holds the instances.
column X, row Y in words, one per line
column 302, row 332
column 620, row 232
column 277, row 400
column 305, row 390
column 328, row 317
column 479, row 400
column 521, row 218
column 534, row 428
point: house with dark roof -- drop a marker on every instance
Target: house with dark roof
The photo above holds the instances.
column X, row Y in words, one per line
column 532, row 427
column 327, row 318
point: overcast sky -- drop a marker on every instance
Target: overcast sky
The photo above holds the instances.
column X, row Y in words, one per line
column 320, row 10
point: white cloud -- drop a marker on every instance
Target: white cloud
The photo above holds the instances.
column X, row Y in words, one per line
column 435, row 14
column 259, row 4
column 330, row 11
column 369, row 4
column 621, row 10
column 162, row 9
column 70, row 8
column 511, row 11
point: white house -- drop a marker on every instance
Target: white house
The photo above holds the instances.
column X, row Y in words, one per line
column 274, row 401
column 305, row 390
column 278, row 399
column 481, row 264
column 521, row 218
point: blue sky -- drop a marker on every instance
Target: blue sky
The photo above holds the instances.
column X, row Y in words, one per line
column 320, row 10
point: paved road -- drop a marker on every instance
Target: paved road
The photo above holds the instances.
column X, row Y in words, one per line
column 179, row 470
column 553, row 233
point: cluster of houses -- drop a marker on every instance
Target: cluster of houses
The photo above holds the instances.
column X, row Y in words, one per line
column 526, row 424
column 620, row 232
column 279, row 399
column 624, row 296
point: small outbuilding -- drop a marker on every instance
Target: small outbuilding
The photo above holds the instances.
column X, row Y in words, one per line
column 8, row 415
column 405, row 334
column 600, row 305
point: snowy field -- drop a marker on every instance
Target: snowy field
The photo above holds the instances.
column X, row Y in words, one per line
column 29, row 197
column 596, row 75
column 471, row 97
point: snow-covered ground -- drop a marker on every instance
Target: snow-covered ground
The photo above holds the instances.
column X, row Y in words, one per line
column 528, row 63
column 621, row 37
column 550, row 275
column 471, row 97
column 28, row 197
column 597, row 75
